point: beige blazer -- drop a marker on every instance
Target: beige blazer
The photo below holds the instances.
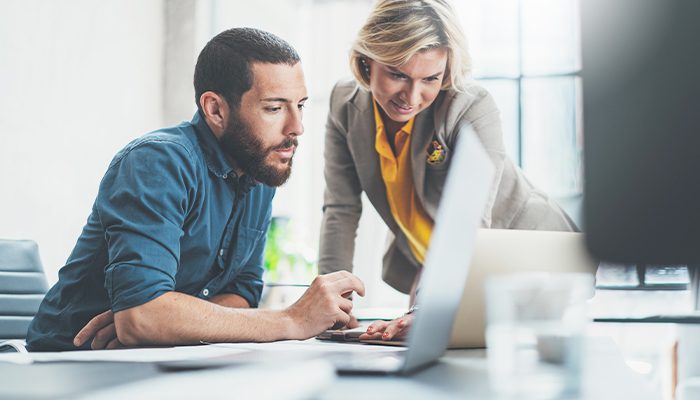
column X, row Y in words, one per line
column 352, row 166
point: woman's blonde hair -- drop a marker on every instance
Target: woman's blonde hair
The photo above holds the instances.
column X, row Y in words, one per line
column 398, row 29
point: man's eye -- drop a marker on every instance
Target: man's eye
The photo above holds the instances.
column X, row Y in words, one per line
column 272, row 109
column 301, row 106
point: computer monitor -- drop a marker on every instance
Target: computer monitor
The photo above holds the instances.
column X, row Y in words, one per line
column 641, row 122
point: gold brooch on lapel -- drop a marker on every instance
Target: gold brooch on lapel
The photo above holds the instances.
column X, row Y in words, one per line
column 436, row 153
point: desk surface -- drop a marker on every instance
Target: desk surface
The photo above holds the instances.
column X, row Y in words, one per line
column 460, row 374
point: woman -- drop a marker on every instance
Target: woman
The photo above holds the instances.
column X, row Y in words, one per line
column 390, row 133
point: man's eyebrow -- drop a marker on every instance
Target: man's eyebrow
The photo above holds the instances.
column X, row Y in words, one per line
column 276, row 99
column 281, row 99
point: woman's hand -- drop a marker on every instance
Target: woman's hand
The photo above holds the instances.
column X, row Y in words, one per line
column 396, row 329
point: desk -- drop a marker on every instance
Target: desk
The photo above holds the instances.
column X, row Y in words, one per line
column 460, row 374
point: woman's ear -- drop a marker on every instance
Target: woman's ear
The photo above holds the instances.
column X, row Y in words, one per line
column 365, row 66
column 215, row 110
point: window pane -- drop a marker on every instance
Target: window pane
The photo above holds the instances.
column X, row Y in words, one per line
column 552, row 142
column 492, row 31
column 505, row 93
column 336, row 24
column 550, row 36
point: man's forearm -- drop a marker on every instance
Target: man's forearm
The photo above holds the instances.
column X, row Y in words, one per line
column 176, row 318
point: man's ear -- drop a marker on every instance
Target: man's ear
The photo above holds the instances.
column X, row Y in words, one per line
column 215, row 110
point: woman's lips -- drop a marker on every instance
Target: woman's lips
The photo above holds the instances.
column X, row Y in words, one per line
column 405, row 110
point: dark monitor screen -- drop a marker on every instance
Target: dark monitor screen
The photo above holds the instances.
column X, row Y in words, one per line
column 641, row 121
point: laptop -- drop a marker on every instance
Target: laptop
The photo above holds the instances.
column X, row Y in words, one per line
column 446, row 266
column 501, row 251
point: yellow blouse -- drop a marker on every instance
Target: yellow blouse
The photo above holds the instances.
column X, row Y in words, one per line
column 405, row 205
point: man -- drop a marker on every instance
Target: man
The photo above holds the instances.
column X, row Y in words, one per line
column 173, row 247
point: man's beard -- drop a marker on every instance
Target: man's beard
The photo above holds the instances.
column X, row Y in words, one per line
column 248, row 151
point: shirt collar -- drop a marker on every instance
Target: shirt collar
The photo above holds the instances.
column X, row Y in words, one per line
column 381, row 142
column 379, row 123
column 215, row 157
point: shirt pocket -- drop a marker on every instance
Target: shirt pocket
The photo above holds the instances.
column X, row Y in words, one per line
column 247, row 241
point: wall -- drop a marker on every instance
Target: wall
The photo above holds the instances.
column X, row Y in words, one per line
column 78, row 80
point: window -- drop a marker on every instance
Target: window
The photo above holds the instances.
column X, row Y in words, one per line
column 527, row 55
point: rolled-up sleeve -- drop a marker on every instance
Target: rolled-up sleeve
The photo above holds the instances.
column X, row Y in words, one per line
column 142, row 204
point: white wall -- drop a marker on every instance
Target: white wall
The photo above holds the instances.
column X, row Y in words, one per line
column 78, row 80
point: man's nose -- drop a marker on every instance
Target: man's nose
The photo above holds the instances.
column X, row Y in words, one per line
column 294, row 124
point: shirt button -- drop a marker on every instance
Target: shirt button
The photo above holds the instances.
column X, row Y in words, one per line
column 205, row 292
column 221, row 252
column 225, row 176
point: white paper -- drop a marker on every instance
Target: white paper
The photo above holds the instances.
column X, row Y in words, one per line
column 312, row 345
column 125, row 355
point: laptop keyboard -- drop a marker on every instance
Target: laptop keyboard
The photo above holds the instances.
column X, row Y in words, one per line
column 642, row 277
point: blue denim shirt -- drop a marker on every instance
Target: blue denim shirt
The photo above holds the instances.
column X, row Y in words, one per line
column 170, row 215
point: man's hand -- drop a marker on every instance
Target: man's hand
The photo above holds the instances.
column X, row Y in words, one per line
column 387, row 330
column 101, row 330
column 352, row 324
column 324, row 304
column 321, row 306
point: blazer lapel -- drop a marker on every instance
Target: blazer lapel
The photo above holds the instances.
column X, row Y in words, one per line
column 361, row 138
column 423, row 131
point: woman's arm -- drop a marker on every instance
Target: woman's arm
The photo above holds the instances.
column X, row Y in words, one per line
column 479, row 110
column 342, row 204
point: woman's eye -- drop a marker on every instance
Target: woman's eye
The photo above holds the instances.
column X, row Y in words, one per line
column 431, row 79
column 397, row 76
column 301, row 106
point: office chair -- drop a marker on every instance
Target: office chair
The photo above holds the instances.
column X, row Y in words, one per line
column 22, row 288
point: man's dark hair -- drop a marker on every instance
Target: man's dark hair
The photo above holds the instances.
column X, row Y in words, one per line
column 223, row 66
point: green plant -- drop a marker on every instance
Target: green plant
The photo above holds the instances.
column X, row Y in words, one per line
column 284, row 257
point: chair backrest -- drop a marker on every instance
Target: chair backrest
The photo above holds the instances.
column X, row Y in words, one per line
column 22, row 286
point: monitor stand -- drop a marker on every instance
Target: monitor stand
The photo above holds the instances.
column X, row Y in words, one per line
column 694, row 272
